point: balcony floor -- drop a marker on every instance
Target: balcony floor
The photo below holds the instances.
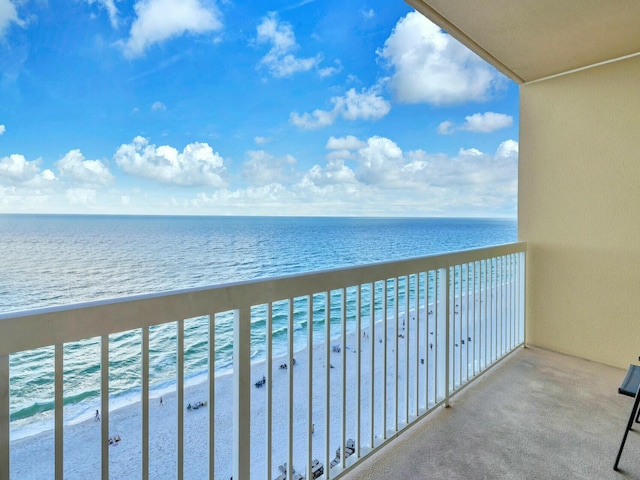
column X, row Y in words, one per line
column 537, row 414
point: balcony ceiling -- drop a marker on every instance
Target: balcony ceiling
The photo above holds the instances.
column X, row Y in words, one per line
column 529, row 40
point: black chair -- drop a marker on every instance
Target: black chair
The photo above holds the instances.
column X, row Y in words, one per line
column 630, row 387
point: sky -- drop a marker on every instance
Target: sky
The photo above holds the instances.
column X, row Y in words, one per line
column 229, row 107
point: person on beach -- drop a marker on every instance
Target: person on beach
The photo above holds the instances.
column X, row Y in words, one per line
column 161, row 401
column 97, row 417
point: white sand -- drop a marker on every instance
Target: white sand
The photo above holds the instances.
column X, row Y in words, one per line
column 32, row 457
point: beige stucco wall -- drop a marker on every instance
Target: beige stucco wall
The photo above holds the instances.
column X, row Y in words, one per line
column 579, row 209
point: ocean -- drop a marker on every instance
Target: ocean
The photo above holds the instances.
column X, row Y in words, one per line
column 50, row 260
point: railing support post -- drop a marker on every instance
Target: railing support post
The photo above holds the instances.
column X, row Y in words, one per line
column 241, row 393
column 4, row 417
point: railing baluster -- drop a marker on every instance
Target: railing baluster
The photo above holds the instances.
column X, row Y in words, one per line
column 372, row 310
column 466, row 336
column 59, row 411
column 5, row 425
column 447, row 334
column 358, row 367
column 476, row 297
column 180, row 394
column 212, row 393
column 458, row 320
column 407, row 342
column 242, row 393
column 269, row 406
column 327, row 385
column 427, row 329
column 416, row 320
column 396, row 316
column 486, row 298
column 310, row 426
column 290, row 381
column 436, row 317
column 385, row 321
column 145, row 402
column 521, row 294
column 104, row 401
column 343, row 353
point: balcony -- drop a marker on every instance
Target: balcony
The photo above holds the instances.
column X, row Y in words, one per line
column 538, row 414
column 440, row 322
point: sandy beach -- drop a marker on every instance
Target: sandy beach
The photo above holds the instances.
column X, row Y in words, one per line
column 32, row 457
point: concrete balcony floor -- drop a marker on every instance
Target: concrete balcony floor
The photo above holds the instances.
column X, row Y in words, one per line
column 536, row 415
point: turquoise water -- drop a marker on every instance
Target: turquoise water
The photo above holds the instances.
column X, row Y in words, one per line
column 53, row 260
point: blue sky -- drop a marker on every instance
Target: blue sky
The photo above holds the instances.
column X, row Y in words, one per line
column 198, row 107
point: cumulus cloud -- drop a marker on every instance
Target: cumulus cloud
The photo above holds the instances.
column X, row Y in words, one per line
column 471, row 178
column 8, row 15
column 280, row 59
column 367, row 104
column 486, row 122
column 262, row 168
column 75, row 167
column 375, row 177
column 2, row 129
column 478, row 123
column 432, row 67
column 16, row 168
column 508, row 149
column 158, row 107
column 110, row 7
column 197, row 165
column 316, row 119
column 160, row 20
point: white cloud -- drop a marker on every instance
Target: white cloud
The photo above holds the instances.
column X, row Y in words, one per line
column 335, row 172
column 18, row 171
column 315, row 119
column 160, row 20
column 110, row 6
column 8, row 15
column 329, row 71
column 197, row 165
column 280, row 60
column 262, row 168
column 446, row 128
column 366, row 105
column 2, row 129
column 16, row 168
column 508, row 149
column 75, row 167
column 345, row 143
column 377, row 178
column 486, row 122
column 431, row 66
column 377, row 168
column 261, row 140
column 158, row 107
column 478, row 123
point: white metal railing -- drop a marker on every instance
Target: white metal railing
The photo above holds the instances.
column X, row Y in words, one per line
column 405, row 336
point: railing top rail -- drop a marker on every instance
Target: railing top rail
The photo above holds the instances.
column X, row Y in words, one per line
column 30, row 329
